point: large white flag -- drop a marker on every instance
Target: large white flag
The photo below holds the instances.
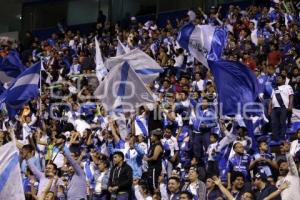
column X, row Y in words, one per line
column 147, row 68
column 101, row 71
column 123, row 90
column 11, row 187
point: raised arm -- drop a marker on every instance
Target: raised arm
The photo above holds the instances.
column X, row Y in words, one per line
column 226, row 192
column 114, row 131
column 36, row 172
column 292, row 165
column 163, row 191
column 90, row 139
column 74, row 164
column 229, row 138
column 202, row 13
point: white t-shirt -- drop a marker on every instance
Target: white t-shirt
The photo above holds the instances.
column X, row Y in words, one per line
column 285, row 92
column 173, row 144
column 193, row 189
column 199, row 84
column 98, row 187
column 292, row 192
column 179, row 60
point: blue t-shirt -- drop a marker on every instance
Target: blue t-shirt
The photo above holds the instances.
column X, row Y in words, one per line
column 240, row 163
column 263, row 166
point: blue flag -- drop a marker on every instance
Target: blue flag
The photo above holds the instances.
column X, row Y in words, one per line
column 24, row 89
column 236, row 85
column 10, row 67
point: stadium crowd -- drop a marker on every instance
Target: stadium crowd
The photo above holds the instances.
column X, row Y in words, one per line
column 72, row 148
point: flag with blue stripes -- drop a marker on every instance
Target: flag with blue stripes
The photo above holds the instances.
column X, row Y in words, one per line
column 204, row 42
column 24, row 88
column 11, row 187
column 89, row 173
column 141, row 126
column 123, row 88
column 147, row 68
column 10, row 67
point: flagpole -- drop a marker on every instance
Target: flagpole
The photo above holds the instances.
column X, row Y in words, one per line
column 41, row 88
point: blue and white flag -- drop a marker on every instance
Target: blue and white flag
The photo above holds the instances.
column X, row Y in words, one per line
column 141, row 125
column 89, row 171
column 204, row 42
column 24, row 89
column 10, row 67
column 121, row 49
column 236, row 84
column 101, row 70
column 147, row 68
column 11, row 187
column 123, row 89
